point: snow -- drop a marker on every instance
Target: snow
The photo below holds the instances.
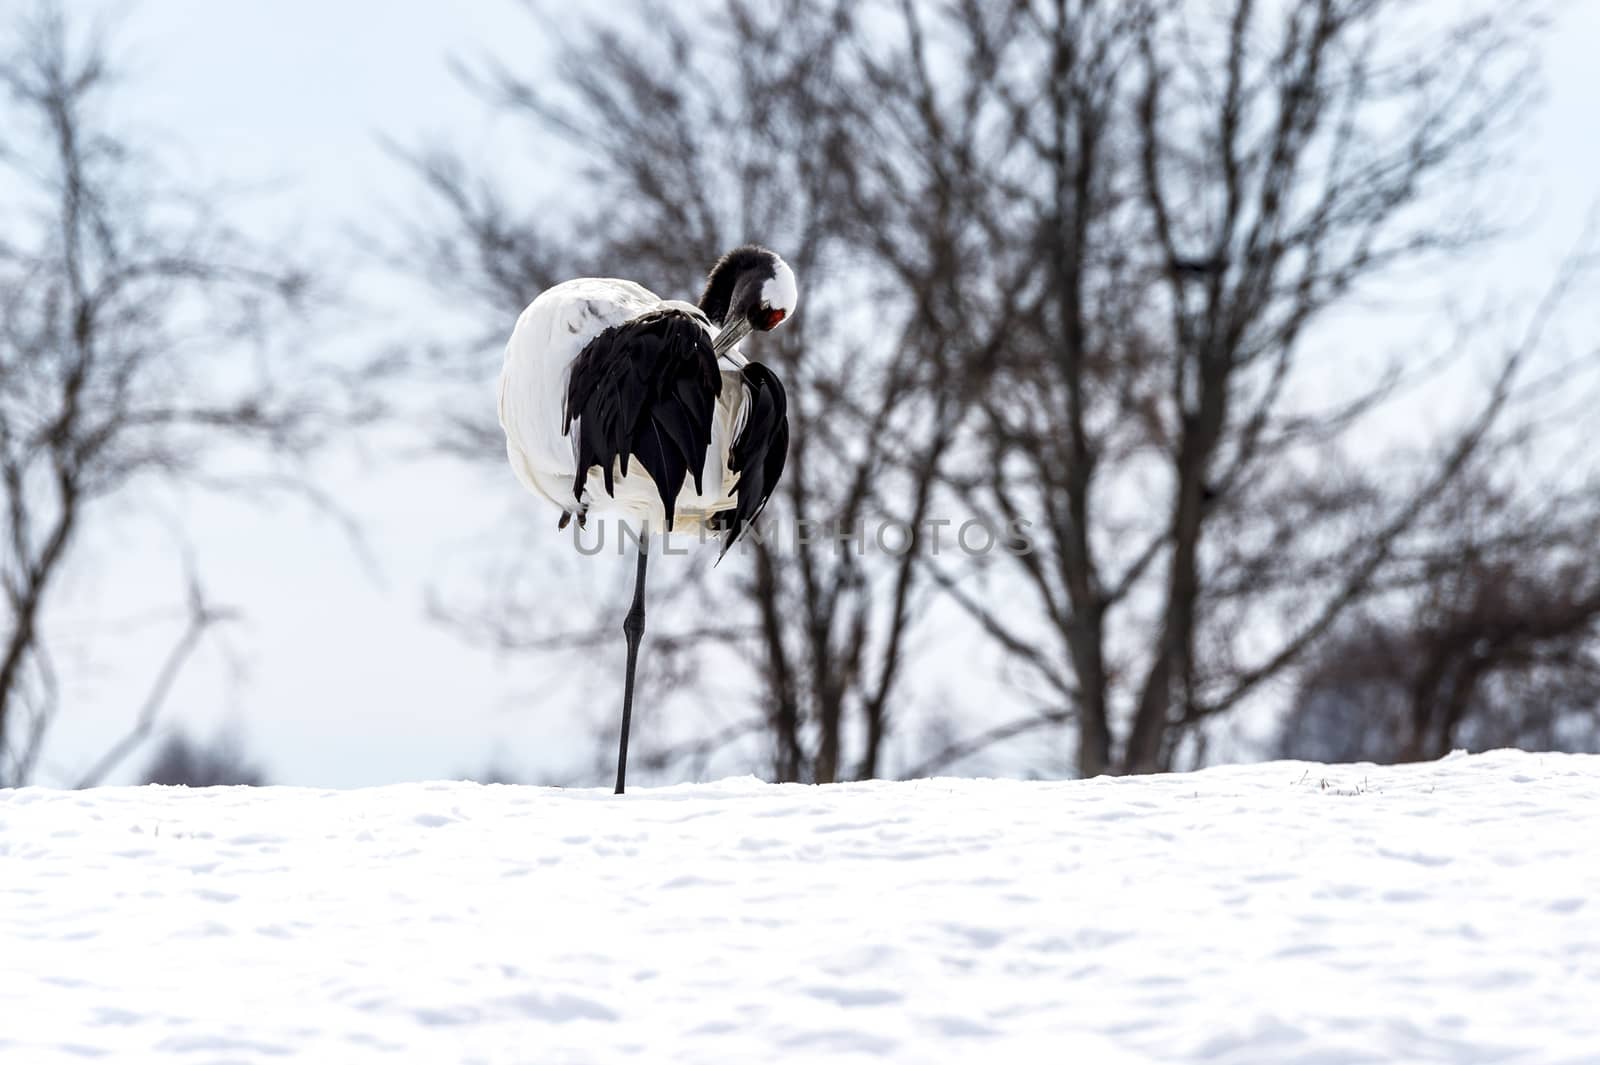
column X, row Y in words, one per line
column 1279, row 913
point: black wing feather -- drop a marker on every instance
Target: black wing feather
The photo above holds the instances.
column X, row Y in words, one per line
column 647, row 389
column 757, row 454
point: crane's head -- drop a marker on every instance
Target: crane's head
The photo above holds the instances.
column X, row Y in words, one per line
column 749, row 290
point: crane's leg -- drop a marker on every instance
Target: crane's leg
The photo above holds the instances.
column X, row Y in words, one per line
column 633, row 629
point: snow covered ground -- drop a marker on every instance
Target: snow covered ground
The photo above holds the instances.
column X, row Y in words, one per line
column 1281, row 913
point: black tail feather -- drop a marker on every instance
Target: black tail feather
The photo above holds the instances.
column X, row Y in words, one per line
column 645, row 389
column 757, row 454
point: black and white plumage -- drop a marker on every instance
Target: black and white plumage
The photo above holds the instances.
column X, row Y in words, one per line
column 647, row 388
column 616, row 400
column 758, row 452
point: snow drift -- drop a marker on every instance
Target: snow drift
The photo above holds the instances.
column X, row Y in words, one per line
column 1277, row 914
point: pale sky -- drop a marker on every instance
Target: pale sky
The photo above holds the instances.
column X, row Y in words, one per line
column 337, row 677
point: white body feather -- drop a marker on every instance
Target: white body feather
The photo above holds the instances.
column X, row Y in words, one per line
column 549, row 335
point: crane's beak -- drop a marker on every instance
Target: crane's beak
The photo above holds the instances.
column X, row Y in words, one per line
column 728, row 340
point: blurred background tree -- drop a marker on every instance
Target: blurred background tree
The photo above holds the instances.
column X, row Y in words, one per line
column 1082, row 265
column 691, row 149
column 135, row 329
column 220, row 762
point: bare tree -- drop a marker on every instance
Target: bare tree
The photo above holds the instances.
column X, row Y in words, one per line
column 1502, row 649
column 1205, row 190
column 133, row 352
column 184, row 761
column 696, row 142
column 1069, row 265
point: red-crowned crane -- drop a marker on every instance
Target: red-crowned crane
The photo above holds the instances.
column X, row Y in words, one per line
column 613, row 398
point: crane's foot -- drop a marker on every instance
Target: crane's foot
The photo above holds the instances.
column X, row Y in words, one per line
column 566, row 518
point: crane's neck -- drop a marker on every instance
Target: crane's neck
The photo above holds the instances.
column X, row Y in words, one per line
column 717, row 299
